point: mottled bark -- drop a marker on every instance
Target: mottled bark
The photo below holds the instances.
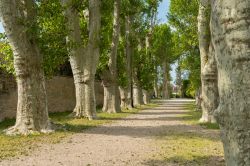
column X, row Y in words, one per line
column 111, row 93
column 156, row 89
column 123, row 97
column 128, row 51
column 198, row 99
column 165, row 91
column 146, row 96
column 137, row 92
column 92, row 53
column 179, row 80
column 76, row 56
column 18, row 17
column 111, row 103
column 210, row 97
column 209, row 89
column 230, row 27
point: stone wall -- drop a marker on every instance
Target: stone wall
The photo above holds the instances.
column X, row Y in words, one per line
column 60, row 93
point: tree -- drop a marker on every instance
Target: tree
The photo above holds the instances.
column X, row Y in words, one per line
column 19, row 20
column 92, row 54
column 209, row 92
column 76, row 55
column 130, row 10
column 162, row 49
column 84, row 58
column 109, row 74
column 183, row 20
column 230, row 37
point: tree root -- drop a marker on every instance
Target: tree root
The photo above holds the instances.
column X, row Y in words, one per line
column 27, row 130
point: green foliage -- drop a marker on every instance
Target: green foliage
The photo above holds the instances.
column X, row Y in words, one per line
column 162, row 44
column 162, row 49
column 183, row 19
column 52, row 35
column 121, row 63
column 106, row 34
column 143, row 60
column 6, row 55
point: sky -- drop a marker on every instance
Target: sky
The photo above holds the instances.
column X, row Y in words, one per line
column 163, row 10
column 162, row 17
column 1, row 27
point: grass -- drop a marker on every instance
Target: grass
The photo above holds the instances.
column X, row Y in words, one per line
column 11, row 146
column 190, row 147
column 193, row 117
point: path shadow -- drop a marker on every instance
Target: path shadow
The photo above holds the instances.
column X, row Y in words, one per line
column 154, row 131
column 163, row 112
column 149, row 119
column 169, row 108
column 174, row 101
column 211, row 160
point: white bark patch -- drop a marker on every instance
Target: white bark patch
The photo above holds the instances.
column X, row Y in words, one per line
column 230, row 29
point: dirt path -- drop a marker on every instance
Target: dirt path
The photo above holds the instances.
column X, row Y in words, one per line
column 129, row 142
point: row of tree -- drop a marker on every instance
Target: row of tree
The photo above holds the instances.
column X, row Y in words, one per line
column 222, row 71
column 117, row 42
column 120, row 43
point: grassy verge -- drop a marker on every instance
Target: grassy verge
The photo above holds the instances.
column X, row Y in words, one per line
column 193, row 117
column 11, row 146
column 190, row 149
column 187, row 146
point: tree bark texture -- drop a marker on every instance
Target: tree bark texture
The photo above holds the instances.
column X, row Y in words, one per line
column 76, row 55
column 230, row 27
column 165, row 91
column 123, row 97
column 209, row 89
column 137, row 92
column 129, row 50
column 18, row 18
column 198, row 99
column 210, row 98
column 92, row 53
column 111, row 103
column 146, row 96
column 156, row 89
column 111, row 91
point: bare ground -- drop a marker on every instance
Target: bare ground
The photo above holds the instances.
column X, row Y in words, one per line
column 127, row 142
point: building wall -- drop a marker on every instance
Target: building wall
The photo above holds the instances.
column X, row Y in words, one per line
column 60, row 94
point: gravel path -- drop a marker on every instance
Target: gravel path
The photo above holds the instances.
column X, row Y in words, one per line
column 126, row 142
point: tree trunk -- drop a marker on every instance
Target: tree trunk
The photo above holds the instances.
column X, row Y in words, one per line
column 179, row 80
column 210, row 99
column 137, row 92
column 165, row 92
column 32, row 111
column 146, row 96
column 123, row 97
column 129, row 61
column 111, row 93
column 198, row 99
column 111, row 103
column 156, row 88
column 209, row 94
column 76, row 56
column 231, row 37
column 92, row 54
column 79, row 110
